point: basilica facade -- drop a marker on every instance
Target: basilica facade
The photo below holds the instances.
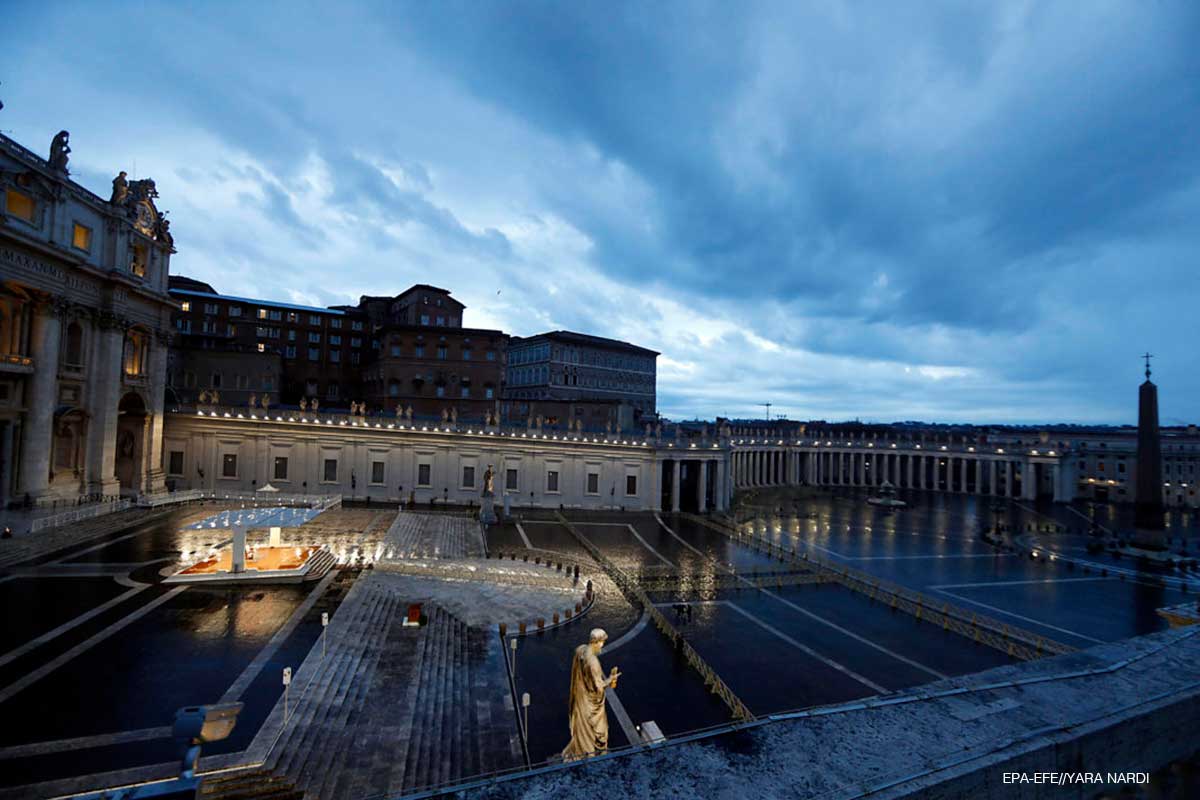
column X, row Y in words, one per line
column 84, row 320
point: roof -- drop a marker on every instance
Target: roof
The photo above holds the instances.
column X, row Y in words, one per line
column 583, row 338
column 424, row 286
column 265, row 303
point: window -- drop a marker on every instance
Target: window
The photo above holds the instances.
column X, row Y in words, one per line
column 262, row 313
column 489, row 393
column 290, row 352
column 419, row 351
column 175, row 462
column 73, row 354
column 330, row 474
column 491, row 355
column 229, row 465
column 393, row 388
column 185, row 306
column 310, row 388
column 335, row 340
column 335, row 356
column 593, row 483
column 377, row 472
column 313, row 319
column 230, row 329
column 314, row 354
column 466, row 354
column 441, row 321
column 423, row 475
column 510, row 480
column 441, row 353
column 262, row 348
column 212, row 308
column 332, row 391
column 138, row 265
column 281, row 465
column 276, row 315
column 468, row 477
column 81, row 237
column 552, row 481
column 335, row 323
column 395, row 351
column 137, row 348
column 440, row 391
column 215, row 382
column 424, row 319
column 268, row 382
column 314, row 337
column 356, row 342
column 356, row 325
column 19, row 205
column 354, row 358
column 466, row 391
column 235, row 311
column 631, row 485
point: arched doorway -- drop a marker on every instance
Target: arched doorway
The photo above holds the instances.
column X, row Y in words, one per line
column 131, row 430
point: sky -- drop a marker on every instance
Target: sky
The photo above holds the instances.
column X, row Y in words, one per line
column 954, row 212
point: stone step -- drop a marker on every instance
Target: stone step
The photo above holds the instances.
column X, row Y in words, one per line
column 256, row 785
column 321, row 773
column 344, row 654
column 420, row 749
column 410, row 741
column 320, row 564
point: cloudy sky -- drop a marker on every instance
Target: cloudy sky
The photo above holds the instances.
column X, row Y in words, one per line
column 887, row 211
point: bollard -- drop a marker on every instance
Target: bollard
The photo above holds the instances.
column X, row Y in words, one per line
column 555, row 618
column 503, row 629
column 526, row 558
column 578, row 607
column 541, row 623
column 560, row 566
column 538, row 560
column 522, row 629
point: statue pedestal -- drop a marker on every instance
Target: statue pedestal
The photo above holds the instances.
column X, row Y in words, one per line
column 487, row 511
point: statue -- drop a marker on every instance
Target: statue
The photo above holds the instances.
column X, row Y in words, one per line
column 253, row 400
column 399, row 411
column 445, row 416
column 315, row 405
column 162, row 230
column 353, row 408
column 120, row 191
column 408, row 414
column 203, row 398
column 266, row 401
column 214, row 397
column 303, row 403
column 588, row 712
column 489, row 480
column 647, row 430
column 60, row 147
column 454, row 415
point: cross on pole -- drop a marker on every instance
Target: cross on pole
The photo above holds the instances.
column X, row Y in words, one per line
column 768, row 405
column 1147, row 356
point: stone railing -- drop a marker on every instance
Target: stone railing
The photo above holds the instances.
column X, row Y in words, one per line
column 76, row 515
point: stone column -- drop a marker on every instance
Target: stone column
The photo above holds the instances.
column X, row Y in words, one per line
column 992, row 476
column 702, row 487
column 1058, row 491
column 675, row 486
column 722, row 495
column 102, row 428
column 6, row 461
column 921, row 472
column 978, row 476
column 153, row 478
column 1008, row 479
column 962, row 472
column 1029, row 481
column 909, row 469
column 40, row 401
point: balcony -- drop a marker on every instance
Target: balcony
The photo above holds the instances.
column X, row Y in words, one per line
column 14, row 364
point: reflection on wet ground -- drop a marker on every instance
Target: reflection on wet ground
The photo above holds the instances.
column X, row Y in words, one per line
column 778, row 640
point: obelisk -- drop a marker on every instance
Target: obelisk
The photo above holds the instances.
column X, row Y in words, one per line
column 1148, row 503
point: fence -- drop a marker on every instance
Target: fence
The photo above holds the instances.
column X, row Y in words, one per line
column 85, row 512
column 638, row 597
column 1014, row 641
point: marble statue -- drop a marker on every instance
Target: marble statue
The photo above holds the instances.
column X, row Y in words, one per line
column 203, row 398
column 214, row 397
column 315, row 404
column 489, row 482
column 303, row 404
column 445, row 416
column 454, row 415
column 162, row 230
column 408, row 414
column 120, row 191
column 266, row 401
column 353, row 408
column 253, row 400
column 588, row 710
column 60, row 149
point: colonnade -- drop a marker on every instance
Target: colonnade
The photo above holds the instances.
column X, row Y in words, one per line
column 713, row 485
column 995, row 474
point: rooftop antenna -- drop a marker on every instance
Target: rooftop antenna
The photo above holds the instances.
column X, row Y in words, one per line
column 768, row 405
column 1147, row 356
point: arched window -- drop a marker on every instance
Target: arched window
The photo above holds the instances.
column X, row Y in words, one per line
column 73, row 352
column 393, row 388
column 136, row 354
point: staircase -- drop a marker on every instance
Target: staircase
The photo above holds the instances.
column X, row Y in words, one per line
column 389, row 709
column 255, row 784
column 433, row 536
